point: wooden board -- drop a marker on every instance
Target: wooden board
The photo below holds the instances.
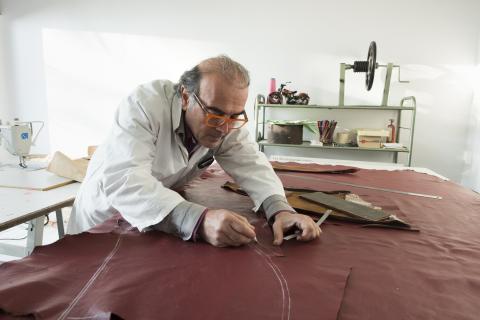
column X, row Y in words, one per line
column 40, row 180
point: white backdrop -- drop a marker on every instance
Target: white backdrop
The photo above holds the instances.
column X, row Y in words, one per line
column 4, row 111
column 71, row 62
column 88, row 73
column 471, row 173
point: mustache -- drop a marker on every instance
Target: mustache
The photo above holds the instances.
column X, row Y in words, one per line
column 218, row 136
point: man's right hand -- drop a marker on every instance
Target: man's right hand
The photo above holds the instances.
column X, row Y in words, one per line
column 223, row 228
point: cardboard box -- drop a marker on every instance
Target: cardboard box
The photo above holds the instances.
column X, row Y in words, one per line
column 371, row 138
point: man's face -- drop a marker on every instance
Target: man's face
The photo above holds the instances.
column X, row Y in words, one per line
column 219, row 97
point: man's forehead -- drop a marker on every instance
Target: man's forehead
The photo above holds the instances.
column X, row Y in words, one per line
column 213, row 82
column 220, row 93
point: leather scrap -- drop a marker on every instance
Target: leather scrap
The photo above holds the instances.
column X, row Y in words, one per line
column 317, row 209
column 348, row 207
column 232, row 186
column 65, row 167
column 311, row 168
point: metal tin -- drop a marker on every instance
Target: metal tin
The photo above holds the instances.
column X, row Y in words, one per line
column 286, row 133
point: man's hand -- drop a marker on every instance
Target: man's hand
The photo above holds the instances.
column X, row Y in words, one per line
column 285, row 220
column 223, row 228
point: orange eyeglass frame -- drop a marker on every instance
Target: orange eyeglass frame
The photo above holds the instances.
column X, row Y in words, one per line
column 222, row 119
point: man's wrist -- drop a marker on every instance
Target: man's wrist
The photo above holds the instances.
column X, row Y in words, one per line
column 183, row 220
column 198, row 230
column 273, row 205
column 281, row 213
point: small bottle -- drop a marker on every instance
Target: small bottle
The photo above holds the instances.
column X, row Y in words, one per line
column 391, row 132
column 273, row 85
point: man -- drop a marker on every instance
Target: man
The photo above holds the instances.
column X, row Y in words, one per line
column 163, row 136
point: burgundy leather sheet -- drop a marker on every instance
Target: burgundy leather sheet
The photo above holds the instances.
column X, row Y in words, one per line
column 155, row 276
column 431, row 274
column 116, row 270
column 396, row 274
column 362, row 272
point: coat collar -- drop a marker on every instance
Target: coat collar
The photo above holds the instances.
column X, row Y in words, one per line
column 177, row 113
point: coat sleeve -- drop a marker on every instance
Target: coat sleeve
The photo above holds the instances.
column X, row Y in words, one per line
column 239, row 156
column 128, row 182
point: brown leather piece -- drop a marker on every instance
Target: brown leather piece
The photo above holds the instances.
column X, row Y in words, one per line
column 347, row 207
column 294, row 198
column 311, row 167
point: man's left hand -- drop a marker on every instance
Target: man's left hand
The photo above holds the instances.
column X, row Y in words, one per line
column 285, row 220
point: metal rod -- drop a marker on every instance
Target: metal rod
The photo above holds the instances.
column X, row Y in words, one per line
column 399, row 80
column 263, row 124
column 257, row 121
column 362, row 186
column 324, row 217
column 414, row 112
column 341, row 92
column 398, row 121
column 386, row 89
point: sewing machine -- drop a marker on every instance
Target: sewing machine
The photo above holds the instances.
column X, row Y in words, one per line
column 18, row 138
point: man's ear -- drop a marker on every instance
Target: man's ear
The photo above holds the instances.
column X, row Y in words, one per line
column 184, row 96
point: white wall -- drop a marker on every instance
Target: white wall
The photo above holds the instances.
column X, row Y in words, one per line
column 4, row 111
column 471, row 173
column 70, row 62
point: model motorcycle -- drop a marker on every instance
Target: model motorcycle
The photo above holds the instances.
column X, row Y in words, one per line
column 291, row 97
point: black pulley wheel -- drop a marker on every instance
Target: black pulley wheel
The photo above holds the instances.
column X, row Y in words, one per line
column 372, row 65
column 368, row 66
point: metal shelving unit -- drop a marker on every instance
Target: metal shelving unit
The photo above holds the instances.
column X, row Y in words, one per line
column 260, row 109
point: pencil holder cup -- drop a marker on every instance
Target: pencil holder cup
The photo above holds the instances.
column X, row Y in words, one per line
column 326, row 140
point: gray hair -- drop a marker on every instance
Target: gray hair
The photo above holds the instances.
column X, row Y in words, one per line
column 229, row 69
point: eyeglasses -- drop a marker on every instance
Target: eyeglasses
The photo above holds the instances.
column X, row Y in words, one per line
column 215, row 120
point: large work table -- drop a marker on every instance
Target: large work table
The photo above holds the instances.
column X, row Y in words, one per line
column 351, row 272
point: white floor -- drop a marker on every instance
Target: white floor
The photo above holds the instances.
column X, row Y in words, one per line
column 18, row 235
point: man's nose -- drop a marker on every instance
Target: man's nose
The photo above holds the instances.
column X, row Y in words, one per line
column 224, row 128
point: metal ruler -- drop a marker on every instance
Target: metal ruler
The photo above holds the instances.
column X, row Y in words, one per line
column 361, row 186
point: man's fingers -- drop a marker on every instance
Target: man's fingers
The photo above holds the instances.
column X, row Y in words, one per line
column 239, row 216
column 277, row 233
column 223, row 240
column 243, row 227
column 309, row 229
column 245, row 220
column 239, row 230
column 236, row 239
column 226, row 228
column 239, row 237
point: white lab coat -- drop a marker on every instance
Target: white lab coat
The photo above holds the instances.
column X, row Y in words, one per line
column 143, row 158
